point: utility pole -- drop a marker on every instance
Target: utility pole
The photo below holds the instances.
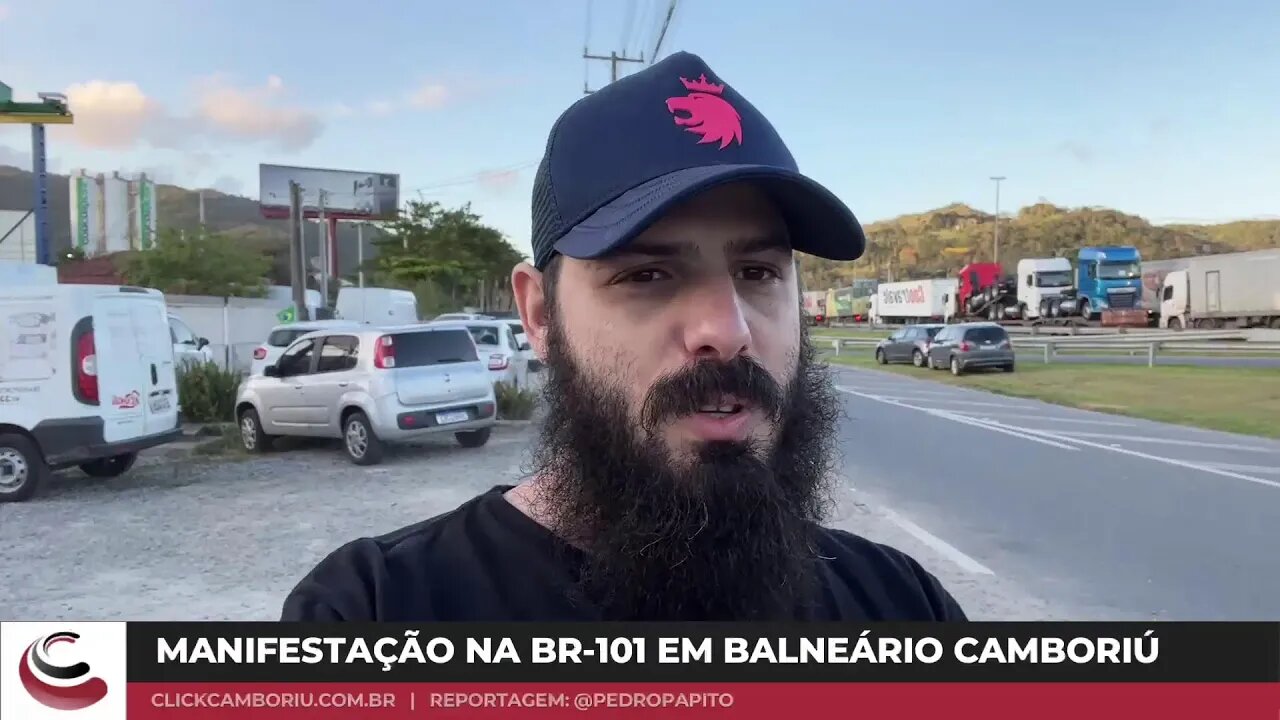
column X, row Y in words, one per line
column 324, row 241
column 360, row 252
column 995, row 250
column 614, row 58
column 202, row 207
column 297, row 253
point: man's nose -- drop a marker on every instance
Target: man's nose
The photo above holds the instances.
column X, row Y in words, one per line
column 715, row 325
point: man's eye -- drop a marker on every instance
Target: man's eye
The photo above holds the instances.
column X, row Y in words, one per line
column 645, row 276
column 757, row 274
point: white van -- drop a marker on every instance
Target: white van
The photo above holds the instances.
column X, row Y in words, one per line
column 377, row 306
column 86, row 378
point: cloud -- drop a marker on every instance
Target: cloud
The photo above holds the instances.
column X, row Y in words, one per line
column 256, row 114
column 1081, row 152
column 342, row 110
column 430, row 96
column 5, row 12
column 120, row 115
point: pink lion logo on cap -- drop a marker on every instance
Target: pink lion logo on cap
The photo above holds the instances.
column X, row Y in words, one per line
column 704, row 112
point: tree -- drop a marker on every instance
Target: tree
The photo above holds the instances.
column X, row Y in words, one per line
column 447, row 256
column 199, row 263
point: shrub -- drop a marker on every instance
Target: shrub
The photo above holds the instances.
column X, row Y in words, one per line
column 514, row 403
column 207, row 392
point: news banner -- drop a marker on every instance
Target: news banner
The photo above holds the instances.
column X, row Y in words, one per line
column 280, row 671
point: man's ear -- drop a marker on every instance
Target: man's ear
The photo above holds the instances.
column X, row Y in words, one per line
column 526, row 284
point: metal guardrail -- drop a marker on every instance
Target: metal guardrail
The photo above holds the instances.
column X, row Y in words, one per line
column 1216, row 343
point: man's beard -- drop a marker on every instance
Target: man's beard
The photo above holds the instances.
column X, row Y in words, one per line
column 725, row 535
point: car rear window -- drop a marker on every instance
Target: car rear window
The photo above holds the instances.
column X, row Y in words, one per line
column 933, row 331
column 486, row 334
column 435, row 347
column 986, row 334
column 284, row 338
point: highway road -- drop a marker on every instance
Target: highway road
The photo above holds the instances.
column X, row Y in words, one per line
column 1096, row 516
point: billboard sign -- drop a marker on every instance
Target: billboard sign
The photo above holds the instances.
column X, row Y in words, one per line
column 346, row 194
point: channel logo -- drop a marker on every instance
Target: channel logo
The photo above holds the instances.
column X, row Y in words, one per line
column 39, row 673
column 67, row 670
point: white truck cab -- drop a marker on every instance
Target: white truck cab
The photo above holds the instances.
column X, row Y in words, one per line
column 87, row 379
column 1040, row 279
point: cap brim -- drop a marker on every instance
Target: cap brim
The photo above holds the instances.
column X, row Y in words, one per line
column 819, row 223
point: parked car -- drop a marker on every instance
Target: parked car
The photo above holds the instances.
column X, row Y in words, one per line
column 282, row 336
column 522, row 341
column 461, row 316
column 506, row 357
column 371, row 386
column 188, row 348
column 908, row 344
column 970, row 346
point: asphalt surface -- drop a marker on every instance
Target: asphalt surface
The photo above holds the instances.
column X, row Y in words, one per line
column 1110, row 517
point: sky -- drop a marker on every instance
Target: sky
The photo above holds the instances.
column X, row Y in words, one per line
column 1168, row 109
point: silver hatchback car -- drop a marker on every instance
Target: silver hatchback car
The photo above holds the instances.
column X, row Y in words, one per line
column 370, row 386
column 971, row 346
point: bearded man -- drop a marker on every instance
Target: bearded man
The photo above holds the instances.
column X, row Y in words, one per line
column 683, row 467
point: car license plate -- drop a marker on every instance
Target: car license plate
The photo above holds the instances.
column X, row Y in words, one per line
column 448, row 418
column 160, row 403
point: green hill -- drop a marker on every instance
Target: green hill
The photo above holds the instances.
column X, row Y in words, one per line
column 939, row 242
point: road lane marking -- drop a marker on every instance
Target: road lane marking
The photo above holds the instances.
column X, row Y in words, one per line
column 1168, row 461
column 938, row 545
column 974, row 403
column 962, row 419
column 1049, row 418
column 1168, row 441
column 1264, row 469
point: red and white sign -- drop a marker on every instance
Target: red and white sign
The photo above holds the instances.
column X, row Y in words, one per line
column 64, row 670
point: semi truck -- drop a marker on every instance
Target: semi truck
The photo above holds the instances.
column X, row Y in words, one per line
column 1153, row 274
column 815, row 306
column 850, row 304
column 1108, row 287
column 1041, row 282
column 983, row 292
column 1213, row 291
column 914, row 301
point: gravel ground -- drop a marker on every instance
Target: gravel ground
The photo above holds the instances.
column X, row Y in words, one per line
column 227, row 538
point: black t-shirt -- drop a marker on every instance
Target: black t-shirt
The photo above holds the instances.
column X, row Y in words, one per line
column 488, row 561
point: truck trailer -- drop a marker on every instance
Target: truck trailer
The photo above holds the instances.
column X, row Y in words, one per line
column 914, row 301
column 1231, row 289
column 815, row 306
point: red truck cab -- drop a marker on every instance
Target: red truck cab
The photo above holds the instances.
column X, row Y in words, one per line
column 975, row 277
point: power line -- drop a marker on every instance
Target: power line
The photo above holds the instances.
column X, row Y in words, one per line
column 662, row 33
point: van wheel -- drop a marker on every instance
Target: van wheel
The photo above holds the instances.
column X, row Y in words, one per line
column 22, row 468
column 473, row 438
column 362, row 445
column 252, row 437
column 109, row 467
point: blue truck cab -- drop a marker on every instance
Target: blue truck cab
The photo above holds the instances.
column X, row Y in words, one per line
column 1108, row 278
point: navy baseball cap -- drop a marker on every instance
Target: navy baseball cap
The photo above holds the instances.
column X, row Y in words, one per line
column 620, row 158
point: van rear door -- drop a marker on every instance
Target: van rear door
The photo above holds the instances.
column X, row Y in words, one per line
column 136, row 377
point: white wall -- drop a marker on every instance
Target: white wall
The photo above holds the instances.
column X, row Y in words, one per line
column 233, row 326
